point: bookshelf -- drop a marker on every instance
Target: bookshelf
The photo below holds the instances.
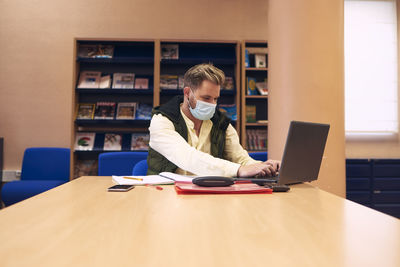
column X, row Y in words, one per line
column 223, row 54
column 145, row 59
column 254, row 105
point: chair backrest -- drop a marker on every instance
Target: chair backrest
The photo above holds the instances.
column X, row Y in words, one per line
column 263, row 156
column 140, row 168
column 119, row 163
column 46, row 163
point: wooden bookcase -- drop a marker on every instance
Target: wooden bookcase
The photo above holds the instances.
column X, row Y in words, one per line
column 143, row 57
column 254, row 135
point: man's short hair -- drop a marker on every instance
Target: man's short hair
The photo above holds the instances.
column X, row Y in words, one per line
column 202, row 72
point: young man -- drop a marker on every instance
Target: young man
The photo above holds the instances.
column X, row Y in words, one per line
column 188, row 135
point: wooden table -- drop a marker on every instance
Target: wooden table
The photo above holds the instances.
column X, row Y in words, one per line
column 81, row 224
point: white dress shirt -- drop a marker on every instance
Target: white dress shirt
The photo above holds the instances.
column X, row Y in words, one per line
column 193, row 157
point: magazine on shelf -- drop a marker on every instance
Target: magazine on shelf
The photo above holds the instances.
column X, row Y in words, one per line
column 262, row 87
column 105, row 110
column 105, row 81
column 84, row 141
column 123, row 80
column 85, row 111
column 251, row 86
column 95, row 51
column 89, row 79
column 169, row 82
column 141, row 83
column 228, row 84
column 229, row 110
column 169, row 51
column 112, row 141
column 140, row 141
column 257, row 50
column 126, row 110
column 143, row 112
column 85, row 168
column 260, row 60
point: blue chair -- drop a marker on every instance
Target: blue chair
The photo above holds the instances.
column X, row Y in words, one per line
column 263, row 156
column 43, row 168
column 119, row 163
column 140, row 168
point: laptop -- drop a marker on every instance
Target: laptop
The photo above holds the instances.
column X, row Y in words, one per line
column 302, row 156
column 301, row 161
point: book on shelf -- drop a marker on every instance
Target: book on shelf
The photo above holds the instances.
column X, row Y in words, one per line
column 141, row 83
column 126, row 111
column 181, row 82
column 85, row 168
column 84, row 141
column 246, row 58
column 89, row 79
column 251, row 86
column 229, row 110
column 169, row 51
column 262, row 87
column 169, row 81
column 251, row 113
column 228, row 84
column 112, row 141
column 140, row 141
column 123, row 80
column 260, row 60
column 105, row 110
column 85, row 111
column 143, row 112
column 95, row 51
column 257, row 139
column 105, row 81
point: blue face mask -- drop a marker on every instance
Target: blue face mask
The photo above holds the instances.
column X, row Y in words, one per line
column 203, row 110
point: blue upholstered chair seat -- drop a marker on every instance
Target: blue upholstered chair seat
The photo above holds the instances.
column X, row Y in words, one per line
column 262, row 156
column 119, row 163
column 42, row 169
column 140, row 168
column 16, row 191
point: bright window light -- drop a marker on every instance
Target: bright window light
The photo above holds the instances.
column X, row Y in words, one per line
column 371, row 85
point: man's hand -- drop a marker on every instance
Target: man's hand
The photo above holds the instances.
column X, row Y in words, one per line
column 262, row 169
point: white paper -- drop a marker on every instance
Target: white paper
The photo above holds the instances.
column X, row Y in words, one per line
column 177, row 177
column 149, row 179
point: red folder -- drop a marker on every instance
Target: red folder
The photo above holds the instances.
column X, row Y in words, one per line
column 238, row 188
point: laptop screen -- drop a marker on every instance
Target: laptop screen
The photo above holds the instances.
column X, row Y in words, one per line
column 305, row 145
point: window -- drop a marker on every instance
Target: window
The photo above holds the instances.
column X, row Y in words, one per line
column 371, row 85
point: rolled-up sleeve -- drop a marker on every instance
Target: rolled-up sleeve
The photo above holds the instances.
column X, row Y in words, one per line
column 166, row 141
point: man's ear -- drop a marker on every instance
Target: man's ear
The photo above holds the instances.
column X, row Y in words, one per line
column 186, row 91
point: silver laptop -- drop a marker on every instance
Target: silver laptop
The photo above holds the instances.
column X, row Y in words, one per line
column 305, row 145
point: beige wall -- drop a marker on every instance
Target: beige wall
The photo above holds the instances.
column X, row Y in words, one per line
column 36, row 44
column 307, row 80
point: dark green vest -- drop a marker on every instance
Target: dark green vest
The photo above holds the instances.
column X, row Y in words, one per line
column 158, row 163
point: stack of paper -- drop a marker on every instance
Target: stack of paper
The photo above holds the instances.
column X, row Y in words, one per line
column 163, row 178
column 141, row 180
column 176, row 177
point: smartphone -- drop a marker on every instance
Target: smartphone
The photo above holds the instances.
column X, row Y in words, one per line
column 120, row 188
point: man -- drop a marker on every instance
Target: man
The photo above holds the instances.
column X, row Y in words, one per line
column 188, row 135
